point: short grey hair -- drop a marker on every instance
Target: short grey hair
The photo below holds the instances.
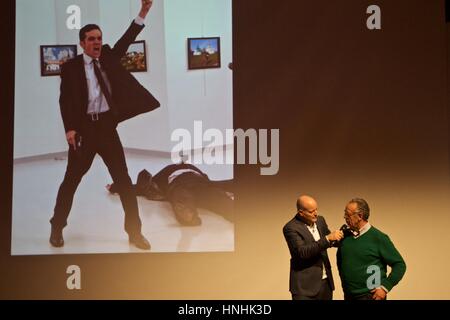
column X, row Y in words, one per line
column 362, row 207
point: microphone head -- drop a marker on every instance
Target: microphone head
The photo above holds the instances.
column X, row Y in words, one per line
column 347, row 230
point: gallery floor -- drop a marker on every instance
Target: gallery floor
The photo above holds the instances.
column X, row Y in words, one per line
column 96, row 221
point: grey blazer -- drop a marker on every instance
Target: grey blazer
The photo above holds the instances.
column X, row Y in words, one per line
column 307, row 257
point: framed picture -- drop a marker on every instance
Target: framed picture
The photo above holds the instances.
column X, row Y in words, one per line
column 54, row 56
column 135, row 60
column 203, row 53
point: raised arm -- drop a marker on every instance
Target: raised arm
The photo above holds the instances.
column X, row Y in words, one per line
column 121, row 47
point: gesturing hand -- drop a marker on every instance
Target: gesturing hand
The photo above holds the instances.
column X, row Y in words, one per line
column 145, row 8
column 335, row 235
column 378, row 294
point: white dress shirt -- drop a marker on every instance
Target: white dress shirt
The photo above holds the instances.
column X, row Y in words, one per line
column 96, row 99
column 363, row 230
column 178, row 172
column 315, row 233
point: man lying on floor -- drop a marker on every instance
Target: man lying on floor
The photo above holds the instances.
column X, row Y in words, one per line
column 186, row 188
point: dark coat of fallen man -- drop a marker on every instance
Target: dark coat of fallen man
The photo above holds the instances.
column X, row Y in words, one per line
column 186, row 188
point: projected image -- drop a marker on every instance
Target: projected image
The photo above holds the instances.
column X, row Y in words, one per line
column 97, row 168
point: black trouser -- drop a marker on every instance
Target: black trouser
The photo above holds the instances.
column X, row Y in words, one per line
column 195, row 191
column 364, row 296
column 325, row 293
column 98, row 137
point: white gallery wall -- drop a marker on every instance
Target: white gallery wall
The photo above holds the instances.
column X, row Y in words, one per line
column 37, row 123
column 185, row 95
column 198, row 94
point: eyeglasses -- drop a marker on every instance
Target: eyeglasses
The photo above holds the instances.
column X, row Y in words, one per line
column 347, row 216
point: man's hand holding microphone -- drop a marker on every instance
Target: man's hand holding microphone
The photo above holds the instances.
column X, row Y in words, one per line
column 335, row 236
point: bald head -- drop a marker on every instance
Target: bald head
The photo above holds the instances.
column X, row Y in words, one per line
column 307, row 209
column 304, row 202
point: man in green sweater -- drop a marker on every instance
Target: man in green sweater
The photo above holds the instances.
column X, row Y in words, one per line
column 363, row 257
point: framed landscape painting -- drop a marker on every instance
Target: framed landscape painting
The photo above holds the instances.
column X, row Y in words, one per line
column 135, row 60
column 54, row 56
column 203, row 53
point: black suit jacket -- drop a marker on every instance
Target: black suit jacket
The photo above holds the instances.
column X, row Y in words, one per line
column 130, row 98
column 162, row 177
column 307, row 257
column 144, row 188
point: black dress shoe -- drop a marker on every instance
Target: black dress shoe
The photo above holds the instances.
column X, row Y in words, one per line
column 56, row 237
column 139, row 241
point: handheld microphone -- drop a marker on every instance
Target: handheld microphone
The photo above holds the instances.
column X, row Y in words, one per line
column 346, row 230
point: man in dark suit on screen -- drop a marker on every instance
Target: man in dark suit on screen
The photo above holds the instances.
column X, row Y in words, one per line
column 308, row 239
column 96, row 94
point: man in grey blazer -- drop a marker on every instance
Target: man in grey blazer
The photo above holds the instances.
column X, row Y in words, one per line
column 308, row 238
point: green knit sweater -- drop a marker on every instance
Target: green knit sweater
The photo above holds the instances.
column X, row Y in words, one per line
column 354, row 257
